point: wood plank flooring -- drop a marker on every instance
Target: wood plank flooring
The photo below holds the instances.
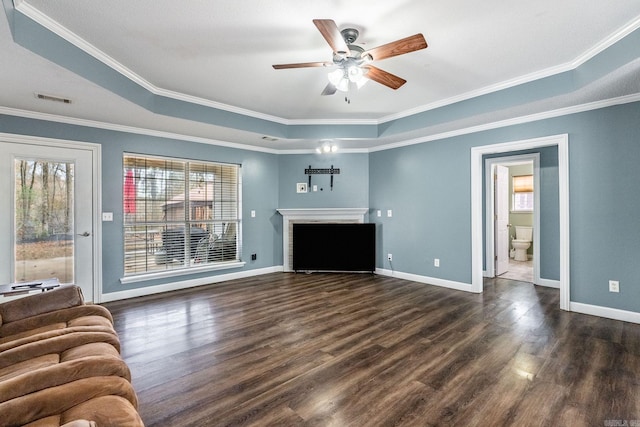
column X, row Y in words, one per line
column 363, row 350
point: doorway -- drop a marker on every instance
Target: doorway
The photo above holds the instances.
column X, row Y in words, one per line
column 508, row 209
column 50, row 218
column 477, row 223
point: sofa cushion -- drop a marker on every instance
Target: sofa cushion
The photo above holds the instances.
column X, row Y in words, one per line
column 49, row 376
column 45, row 302
column 61, row 399
column 84, row 315
column 55, row 345
column 52, row 332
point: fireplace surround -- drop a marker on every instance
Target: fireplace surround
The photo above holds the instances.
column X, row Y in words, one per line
column 313, row 215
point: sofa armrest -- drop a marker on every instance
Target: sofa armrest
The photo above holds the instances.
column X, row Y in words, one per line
column 44, row 302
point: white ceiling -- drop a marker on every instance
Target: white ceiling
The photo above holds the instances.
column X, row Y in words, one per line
column 221, row 53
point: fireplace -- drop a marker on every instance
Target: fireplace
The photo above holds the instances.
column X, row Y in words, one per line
column 313, row 215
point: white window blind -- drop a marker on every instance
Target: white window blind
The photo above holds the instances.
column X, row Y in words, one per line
column 179, row 214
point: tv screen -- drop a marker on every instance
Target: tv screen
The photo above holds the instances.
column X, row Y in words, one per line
column 334, row 247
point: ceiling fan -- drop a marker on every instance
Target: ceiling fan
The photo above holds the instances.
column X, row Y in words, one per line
column 353, row 62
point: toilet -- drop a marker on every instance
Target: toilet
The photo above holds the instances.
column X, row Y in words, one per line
column 522, row 242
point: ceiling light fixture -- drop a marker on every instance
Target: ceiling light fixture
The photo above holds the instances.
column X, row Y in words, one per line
column 326, row 148
column 343, row 76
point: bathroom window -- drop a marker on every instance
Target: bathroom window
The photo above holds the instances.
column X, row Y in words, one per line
column 522, row 197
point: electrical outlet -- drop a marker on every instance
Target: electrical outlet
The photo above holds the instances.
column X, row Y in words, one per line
column 436, row 262
column 254, row 257
column 614, row 286
column 378, row 213
column 389, row 257
column 253, row 214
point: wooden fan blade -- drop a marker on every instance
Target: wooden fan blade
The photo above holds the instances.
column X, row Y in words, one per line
column 329, row 89
column 302, row 65
column 331, row 34
column 383, row 77
column 398, row 47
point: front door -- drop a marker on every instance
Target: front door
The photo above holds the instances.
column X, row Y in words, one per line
column 47, row 215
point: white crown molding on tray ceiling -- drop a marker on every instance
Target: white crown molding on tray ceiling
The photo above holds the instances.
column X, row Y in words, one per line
column 26, row 9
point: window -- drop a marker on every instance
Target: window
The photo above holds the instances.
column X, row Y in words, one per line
column 522, row 199
column 179, row 214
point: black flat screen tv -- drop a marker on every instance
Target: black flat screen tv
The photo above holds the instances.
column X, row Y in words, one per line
column 334, row 247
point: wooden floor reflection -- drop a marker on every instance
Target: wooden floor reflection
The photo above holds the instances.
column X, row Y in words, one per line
column 364, row 350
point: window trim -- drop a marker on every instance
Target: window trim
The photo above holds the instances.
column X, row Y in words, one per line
column 193, row 269
column 181, row 272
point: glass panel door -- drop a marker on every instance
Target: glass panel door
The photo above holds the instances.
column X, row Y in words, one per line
column 44, row 220
column 48, row 214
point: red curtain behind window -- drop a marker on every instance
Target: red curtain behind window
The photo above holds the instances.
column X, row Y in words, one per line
column 129, row 193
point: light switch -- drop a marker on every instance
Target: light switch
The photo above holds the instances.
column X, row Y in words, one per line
column 389, row 213
column 107, row 216
column 378, row 213
column 253, row 214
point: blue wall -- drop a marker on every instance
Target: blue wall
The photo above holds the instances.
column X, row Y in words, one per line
column 428, row 188
column 261, row 235
column 350, row 187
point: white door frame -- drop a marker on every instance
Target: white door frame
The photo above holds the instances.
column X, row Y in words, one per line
column 96, row 150
column 562, row 142
column 490, row 229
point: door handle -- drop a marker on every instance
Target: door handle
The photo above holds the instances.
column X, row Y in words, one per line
column 85, row 234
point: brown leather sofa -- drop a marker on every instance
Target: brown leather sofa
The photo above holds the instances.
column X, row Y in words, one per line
column 60, row 364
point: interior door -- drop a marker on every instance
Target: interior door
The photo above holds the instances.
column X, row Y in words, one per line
column 49, row 214
column 501, row 218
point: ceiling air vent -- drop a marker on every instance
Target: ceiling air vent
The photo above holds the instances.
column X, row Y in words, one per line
column 53, row 98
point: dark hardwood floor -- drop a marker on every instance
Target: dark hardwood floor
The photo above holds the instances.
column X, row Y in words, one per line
column 365, row 350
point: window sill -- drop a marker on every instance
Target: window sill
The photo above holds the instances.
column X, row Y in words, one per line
column 181, row 272
column 521, row 212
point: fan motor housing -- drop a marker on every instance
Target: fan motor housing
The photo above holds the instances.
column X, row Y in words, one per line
column 350, row 35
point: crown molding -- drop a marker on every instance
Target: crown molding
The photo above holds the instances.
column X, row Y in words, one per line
column 528, row 78
column 55, row 27
column 420, row 140
column 596, row 105
column 130, row 129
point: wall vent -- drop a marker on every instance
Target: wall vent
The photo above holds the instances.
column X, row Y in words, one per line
column 53, row 98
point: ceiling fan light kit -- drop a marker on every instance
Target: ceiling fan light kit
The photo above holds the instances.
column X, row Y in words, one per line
column 353, row 62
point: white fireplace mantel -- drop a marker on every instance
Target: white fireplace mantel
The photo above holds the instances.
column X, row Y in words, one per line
column 314, row 215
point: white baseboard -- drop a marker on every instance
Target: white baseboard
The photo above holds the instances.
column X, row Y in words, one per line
column 185, row 284
column 459, row 286
column 610, row 313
